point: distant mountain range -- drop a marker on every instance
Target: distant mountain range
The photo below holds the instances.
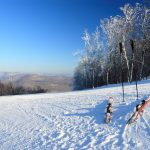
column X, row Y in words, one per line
column 53, row 83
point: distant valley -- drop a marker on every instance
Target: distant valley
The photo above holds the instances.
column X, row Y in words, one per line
column 53, row 83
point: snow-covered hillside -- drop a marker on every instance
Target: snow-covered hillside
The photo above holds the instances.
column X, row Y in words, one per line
column 74, row 120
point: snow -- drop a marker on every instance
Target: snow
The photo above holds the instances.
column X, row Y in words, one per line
column 74, row 120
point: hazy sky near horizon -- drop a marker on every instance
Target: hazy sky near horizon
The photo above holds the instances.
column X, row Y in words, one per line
column 42, row 35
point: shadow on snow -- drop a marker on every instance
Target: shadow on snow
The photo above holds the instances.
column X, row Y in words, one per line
column 97, row 113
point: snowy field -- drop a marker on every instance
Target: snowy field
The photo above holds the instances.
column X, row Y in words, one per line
column 74, row 120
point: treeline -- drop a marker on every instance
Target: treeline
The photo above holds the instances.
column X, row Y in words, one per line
column 118, row 50
column 10, row 89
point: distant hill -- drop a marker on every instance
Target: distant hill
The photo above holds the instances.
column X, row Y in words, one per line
column 53, row 83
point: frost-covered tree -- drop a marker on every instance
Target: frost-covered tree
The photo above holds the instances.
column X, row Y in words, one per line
column 101, row 60
column 113, row 29
column 133, row 25
column 137, row 28
column 91, row 60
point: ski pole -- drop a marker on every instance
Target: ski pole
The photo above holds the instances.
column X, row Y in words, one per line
column 135, row 73
column 120, row 45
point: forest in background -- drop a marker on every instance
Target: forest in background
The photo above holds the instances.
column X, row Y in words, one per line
column 118, row 50
column 10, row 89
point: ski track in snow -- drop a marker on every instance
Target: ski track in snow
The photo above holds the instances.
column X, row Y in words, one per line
column 74, row 120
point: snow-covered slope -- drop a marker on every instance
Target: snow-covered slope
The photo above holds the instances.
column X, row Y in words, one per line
column 74, row 120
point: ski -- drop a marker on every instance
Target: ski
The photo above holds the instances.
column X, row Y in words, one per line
column 135, row 115
column 131, row 120
column 141, row 109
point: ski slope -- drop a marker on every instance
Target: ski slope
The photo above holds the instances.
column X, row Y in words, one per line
column 74, row 120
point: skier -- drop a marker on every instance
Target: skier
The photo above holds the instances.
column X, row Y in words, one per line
column 108, row 113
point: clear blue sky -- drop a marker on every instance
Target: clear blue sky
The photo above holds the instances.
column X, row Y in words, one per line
column 42, row 35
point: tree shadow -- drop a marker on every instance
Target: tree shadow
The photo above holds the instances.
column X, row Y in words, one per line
column 121, row 113
column 97, row 113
